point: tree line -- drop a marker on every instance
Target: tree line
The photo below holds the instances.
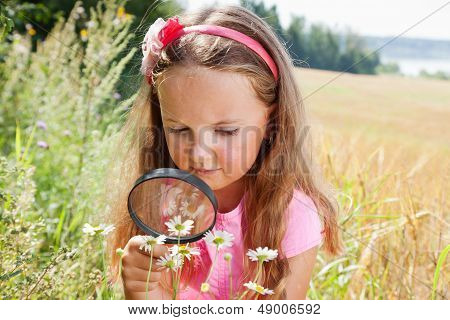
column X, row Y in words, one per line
column 317, row 46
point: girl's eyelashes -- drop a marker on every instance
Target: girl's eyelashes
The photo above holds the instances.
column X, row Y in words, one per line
column 229, row 132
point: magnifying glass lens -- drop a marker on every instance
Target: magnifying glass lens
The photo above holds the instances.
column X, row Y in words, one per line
column 171, row 207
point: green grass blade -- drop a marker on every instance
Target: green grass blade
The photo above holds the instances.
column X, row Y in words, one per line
column 440, row 262
column 18, row 141
column 29, row 141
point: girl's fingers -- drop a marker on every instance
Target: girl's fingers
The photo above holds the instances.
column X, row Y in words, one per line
column 138, row 274
column 141, row 261
column 136, row 242
column 139, row 286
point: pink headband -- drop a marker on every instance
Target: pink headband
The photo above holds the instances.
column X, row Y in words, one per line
column 162, row 33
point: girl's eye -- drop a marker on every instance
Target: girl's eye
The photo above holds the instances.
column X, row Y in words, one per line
column 176, row 131
column 229, row 132
column 226, row 132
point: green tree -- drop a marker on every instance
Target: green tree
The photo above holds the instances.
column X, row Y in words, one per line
column 322, row 48
column 356, row 58
column 297, row 40
column 270, row 15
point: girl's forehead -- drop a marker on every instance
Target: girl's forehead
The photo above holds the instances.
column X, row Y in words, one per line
column 207, row 94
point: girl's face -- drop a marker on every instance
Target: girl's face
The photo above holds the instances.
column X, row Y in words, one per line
column 212, row 121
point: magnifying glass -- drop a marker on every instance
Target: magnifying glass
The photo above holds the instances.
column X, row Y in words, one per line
column 173, row 203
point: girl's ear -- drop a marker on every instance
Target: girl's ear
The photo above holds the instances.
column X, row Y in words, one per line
column 269, row 125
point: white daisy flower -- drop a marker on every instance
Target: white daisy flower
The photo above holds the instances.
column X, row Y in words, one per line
column 183, row 207
column 170, row 262
column 184, row 250
column 199, row 211
column 171, row 209
column 178, row 228
column 88, row 229
column 149, row 241
column 227, row 256
column 191, row 213
column 102, row 229
column 257, row 288
column 194, row 195
column 262, row 255
column 219, row 238
column 105, row 229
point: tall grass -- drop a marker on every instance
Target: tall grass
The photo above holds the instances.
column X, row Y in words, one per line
column 393, row 221
column 59, row 112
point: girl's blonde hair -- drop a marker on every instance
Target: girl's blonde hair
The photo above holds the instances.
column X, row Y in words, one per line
column 282, row 165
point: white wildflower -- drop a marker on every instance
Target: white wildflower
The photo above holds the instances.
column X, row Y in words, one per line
column 191, row 211
column 102, row 229
column 171, row 209
column 257, row 288
column 88, row 229
column 105, row 229
column 170, row 262
column 149, row 241
column 262, row 255
column 178, row 228
column 219, row 238
column 185, row 251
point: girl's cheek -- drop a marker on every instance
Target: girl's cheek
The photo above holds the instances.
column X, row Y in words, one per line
column 230, row 158
column 179, row 152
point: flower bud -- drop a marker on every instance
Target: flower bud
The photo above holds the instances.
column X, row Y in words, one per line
column 204, row 287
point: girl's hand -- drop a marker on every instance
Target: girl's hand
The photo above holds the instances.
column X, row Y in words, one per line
column 135, row 266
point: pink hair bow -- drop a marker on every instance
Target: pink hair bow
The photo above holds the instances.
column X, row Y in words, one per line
column 159, row 34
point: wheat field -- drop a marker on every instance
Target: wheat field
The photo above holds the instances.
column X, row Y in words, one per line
column 384, row 144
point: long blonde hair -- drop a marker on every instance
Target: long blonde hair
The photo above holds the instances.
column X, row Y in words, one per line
column 284, row 164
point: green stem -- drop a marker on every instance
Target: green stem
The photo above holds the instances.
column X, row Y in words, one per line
column 210, row 270
column 120, row 267
column 178, row 273
column 256, row 279
column 174, row 292
column 119, row 277
column 213, row 264
column 231, row 279
column 148, row 274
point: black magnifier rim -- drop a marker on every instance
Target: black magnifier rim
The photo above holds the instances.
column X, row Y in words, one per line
column 180, row 175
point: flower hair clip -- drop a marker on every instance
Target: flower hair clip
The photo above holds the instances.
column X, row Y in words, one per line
column 157, row 37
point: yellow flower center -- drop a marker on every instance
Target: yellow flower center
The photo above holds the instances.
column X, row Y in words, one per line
column 218, row 241
column 183, row 250
column 262, row 257
column 179, row 227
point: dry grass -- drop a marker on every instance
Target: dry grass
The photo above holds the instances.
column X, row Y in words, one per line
column 384, row 143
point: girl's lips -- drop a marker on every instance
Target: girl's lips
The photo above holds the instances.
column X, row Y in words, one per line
column 201, row 171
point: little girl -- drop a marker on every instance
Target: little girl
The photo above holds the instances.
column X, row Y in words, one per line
column 219, row 99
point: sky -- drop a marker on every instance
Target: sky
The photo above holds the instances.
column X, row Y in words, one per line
column 365, row 17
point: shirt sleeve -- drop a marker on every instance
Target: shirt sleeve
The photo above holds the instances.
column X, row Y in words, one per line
column 303, row 225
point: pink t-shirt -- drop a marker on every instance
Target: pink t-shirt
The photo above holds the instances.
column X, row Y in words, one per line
column 303, row 231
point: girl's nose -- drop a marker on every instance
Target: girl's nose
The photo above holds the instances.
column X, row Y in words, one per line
column 202, row 154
